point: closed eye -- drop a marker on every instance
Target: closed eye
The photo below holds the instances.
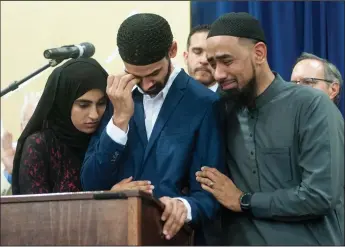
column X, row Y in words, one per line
column 83, row 105
column 155, row 73
column 227, row 62
column 102, row 102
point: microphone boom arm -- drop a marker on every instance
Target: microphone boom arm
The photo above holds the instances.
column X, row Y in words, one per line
column 14, row 85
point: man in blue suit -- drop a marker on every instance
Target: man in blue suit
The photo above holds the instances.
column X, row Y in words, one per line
column 161, row 126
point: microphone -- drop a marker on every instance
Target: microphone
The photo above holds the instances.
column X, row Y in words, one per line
column 70, row 51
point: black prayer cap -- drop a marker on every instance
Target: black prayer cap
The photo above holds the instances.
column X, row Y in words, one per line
column 144, row 39
column 240, row 24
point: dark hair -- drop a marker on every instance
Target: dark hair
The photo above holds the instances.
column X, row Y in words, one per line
column 197, row 29
column 331, row 72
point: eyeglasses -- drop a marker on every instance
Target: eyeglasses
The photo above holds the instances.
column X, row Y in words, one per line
column 311, row 81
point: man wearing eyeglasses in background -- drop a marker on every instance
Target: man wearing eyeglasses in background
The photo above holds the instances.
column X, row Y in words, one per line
column 314, row 71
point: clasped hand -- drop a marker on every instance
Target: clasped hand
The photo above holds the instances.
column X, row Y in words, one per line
column 221, row 187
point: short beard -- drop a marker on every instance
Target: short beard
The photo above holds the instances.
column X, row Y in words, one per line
column 244, row 98
column 207, row 83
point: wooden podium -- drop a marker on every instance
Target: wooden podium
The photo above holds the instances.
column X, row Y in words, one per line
column 86, row 218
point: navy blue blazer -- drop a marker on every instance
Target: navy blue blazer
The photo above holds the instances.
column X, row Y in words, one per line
column 186, row 136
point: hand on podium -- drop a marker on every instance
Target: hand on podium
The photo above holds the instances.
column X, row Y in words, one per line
column 128, row 184
column 174, row 215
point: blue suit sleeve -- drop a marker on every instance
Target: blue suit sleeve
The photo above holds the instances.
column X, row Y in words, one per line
column 209, row 151
column 102, row 158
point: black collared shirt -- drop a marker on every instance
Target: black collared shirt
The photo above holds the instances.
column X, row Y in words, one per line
column 288, row 151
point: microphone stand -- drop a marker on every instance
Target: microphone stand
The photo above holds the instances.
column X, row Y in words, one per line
column 14, row 85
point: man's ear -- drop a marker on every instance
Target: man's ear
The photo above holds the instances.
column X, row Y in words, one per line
column 173, row 50
column 185, row 56
column 260, row 52
column 334, row 90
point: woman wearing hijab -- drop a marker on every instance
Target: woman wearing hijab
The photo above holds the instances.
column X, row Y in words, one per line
column 51, row 148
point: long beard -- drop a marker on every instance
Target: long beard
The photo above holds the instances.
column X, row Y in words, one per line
column 244, row 98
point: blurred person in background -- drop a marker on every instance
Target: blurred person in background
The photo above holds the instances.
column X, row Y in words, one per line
column 196, row 60
column 8, row 147
column 318, row 73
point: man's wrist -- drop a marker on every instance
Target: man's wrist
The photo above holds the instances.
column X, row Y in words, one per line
column 121, row 122
column 245, row 202
column 188, row 207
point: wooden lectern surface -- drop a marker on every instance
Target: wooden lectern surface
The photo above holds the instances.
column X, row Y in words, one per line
column 86, row 218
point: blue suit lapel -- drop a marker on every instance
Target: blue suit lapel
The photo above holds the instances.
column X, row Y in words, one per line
column 171, row 101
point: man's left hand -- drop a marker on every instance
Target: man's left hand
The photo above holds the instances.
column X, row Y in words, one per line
column 174, row 215
column 221, row 187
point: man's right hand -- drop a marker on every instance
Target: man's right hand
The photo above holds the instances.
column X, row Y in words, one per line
column 119, row 90
column 128, row 184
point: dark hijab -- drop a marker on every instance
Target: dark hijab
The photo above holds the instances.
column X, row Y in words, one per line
column 64, row 85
